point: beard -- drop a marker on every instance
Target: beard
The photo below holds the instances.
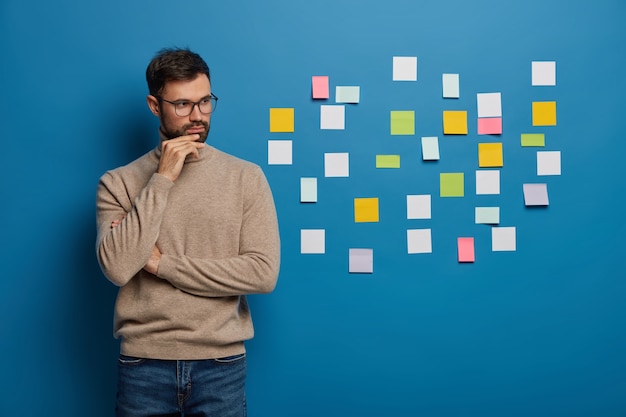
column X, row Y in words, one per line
column 172, row 133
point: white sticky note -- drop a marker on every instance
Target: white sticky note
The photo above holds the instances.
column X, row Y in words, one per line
column 337, row 164
column 312, row 241
column 487, row 215
column 332, row 117
column 279, row 152
column 347, row 94
column 549, row 163
column 543, row 73
column 361, row 261
column 450, row 83
column 503, row 239
column 536, row 194
column 404, row 68
column 430, row 148
column 489, row 104
column 419, row 241
column 487, row 181
column 308, row 190
column 418, row 206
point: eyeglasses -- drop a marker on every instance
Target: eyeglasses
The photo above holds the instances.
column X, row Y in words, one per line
column 184, row 107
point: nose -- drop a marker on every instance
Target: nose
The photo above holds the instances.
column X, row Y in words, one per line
column 195, row 114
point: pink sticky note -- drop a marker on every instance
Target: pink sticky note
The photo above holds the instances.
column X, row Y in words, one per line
column 490, row 125
column 320, row 86
column 466, row 249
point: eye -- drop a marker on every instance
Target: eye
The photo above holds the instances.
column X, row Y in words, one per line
column 206, row 100
column 182, row 104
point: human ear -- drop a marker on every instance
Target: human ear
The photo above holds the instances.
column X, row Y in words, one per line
column 153, row 105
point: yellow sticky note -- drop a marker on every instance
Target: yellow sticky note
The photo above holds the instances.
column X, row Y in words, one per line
column 402, row 122
column 451, row 184
column 281, row 120
column 544, row 113
column 366, row 210
column 490, row 155
column 454, row 122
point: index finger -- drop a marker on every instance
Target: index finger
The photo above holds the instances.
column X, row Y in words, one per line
column 185, row 138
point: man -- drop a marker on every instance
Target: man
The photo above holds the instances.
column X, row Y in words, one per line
column 185, row 231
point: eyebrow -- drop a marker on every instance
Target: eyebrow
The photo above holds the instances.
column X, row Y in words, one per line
column 186, row 99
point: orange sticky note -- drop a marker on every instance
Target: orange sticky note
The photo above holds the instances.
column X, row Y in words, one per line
column 454, row 122
column 465, row 246
column 319, row 84
column 490, row 155
column 544, row 113
column 490, row 126
column 281, row 120
column 366, row 210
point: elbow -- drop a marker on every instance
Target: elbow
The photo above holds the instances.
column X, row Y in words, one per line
column 270, row 278
column 118, row 276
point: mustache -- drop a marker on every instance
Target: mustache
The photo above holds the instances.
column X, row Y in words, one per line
column 195, row 124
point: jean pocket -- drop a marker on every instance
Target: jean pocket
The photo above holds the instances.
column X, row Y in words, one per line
column 130, row 360
column 230, row 359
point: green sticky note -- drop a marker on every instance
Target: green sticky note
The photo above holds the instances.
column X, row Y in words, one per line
column 451, row 184
column 347, row 94
column 402, row 122
column 387, row 161
column 487, row 215
column 533, row 139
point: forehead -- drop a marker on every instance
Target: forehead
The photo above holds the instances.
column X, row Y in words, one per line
column 194, row 89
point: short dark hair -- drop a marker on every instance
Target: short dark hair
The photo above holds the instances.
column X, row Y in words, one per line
column 174, row 64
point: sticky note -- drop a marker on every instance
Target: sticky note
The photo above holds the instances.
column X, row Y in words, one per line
column 454, row 122
column 332, row 117
column 487, row 215
column 308, row 190
column 490, row 126
column 533, row 139
column 319, row 87
column 430, row 148
column 337, row 164
column 387, row 161
column 489, row 104
column 361, row 261
column 487, row 181
column 366, row 210
column 450, row 83
column 402, row 122
column 404, row 68
column 503, row 239
column 347, row 94
column 418, row 206
column 465, row 248
column 536, row 194
column 544, row 113
column 279, row 152
column 490, row 155
column 549, row 163
column 451, row 184
column 281, row 120
column 312, row 241
column 543, row 73
column 419, row 241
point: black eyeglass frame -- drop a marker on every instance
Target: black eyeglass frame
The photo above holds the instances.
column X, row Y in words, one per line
column 213, row 98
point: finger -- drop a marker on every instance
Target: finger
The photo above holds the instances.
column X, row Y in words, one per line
column 185, row 138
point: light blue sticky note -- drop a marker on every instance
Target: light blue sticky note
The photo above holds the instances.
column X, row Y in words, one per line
column 487, row 215
column 308, row 190
column 347, row 94
column 450, row 85
column 430, row 148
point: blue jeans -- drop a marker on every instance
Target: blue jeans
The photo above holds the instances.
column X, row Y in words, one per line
column 152, row 387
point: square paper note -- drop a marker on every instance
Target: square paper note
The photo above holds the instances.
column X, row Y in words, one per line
column 361, row 261
column 419, row 241
column 312, row 241
column 404, row 68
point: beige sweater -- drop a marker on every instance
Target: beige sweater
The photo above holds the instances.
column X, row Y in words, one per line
column 217, row 230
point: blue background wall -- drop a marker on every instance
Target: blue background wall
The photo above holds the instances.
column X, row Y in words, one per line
column 539, row 331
